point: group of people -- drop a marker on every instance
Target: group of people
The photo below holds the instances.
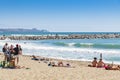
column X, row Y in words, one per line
column 11, row 53
column 52, row 63
column 59, row 64
column 101, row 64
column 96, row 63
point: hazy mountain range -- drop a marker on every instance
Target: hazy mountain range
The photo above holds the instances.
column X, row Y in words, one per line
column 22, row 30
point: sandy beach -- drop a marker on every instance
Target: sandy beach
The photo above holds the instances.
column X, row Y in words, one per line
column 39, row 70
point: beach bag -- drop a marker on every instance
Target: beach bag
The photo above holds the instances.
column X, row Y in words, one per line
column 12, row 64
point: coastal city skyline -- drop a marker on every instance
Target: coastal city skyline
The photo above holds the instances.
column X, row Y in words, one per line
column 61, row 15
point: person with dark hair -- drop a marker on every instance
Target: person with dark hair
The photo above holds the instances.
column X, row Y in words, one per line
column 17, row 50
column 94, row 63
column 5, row 51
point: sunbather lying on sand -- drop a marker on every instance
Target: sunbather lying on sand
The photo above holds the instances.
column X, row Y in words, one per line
column 41, row 59
column 110, row 67
column 60, row 64
column 34, row 58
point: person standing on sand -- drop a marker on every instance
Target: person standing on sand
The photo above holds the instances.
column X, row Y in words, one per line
column 17, row 50
column 12, row 59
column 11, row 51
column 5, row 51
column 20, row 50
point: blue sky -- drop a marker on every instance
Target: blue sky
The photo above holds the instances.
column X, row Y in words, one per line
column 61, row 15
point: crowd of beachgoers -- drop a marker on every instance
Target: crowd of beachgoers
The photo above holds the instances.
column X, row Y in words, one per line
column 11, row 58
column 49, row 68
column 11, row 55
column 94, row 63
column 101, row 64
column 54, row 63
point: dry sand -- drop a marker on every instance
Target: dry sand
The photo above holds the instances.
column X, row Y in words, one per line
column 41, row 71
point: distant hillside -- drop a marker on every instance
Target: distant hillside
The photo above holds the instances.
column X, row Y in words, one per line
column 20, row 30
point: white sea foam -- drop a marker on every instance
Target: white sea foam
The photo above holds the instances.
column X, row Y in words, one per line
column 87, row 43
column 62, row 52
column 71, row 44
column 33, row 46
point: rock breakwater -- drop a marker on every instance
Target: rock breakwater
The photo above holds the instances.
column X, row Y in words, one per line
column 70, row 36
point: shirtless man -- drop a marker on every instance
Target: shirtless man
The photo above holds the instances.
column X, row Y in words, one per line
column 100, row 63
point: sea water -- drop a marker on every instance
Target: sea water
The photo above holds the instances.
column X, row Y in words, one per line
column 71, row 49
